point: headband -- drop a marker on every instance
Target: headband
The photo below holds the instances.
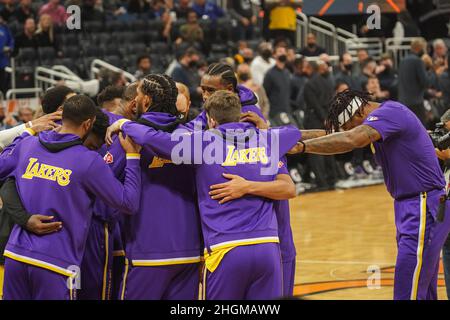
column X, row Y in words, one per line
column 349, row 111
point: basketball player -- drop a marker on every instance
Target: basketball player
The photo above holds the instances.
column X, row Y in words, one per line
column 66, row 174
column 412, row 175
column 163, row 241
column 241, row 237
column 102, row 266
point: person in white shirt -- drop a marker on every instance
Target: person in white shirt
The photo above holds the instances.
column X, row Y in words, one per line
column 262, row 63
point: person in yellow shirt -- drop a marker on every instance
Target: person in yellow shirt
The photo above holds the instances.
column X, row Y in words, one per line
column 283, row 19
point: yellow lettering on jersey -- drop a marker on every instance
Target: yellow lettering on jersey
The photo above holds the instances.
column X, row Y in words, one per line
column 242, row 156
column 158, row 162
column 48, row 172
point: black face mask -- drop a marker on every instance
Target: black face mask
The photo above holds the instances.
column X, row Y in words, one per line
column 266, row 54
column 282, row 58
column 192, row 64
column 244, row 77
column 348, row 67
column 311, row 45
column 248, row 60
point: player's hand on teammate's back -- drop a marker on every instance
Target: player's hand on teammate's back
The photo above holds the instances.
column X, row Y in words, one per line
column 40, row 225
column 111, row 131
column 46, row 122
column 128, row 144
column 233, row 189
column 253, row 117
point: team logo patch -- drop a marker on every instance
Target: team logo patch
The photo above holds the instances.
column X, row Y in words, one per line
column 280, row 164
column 372, row 118
column 108, row 158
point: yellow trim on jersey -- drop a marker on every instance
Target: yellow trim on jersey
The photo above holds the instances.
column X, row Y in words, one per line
column 420, row 245
column 213, row 259
column 30, row 131
column 105, row 268
column 133, row 156
column 119, row 253
column 165, row 262
column 121, row 122
column 2, row 273
column 38, row 263
column 124, row 282
column 372, row 148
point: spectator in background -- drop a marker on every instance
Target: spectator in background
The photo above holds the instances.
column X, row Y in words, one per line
column 298, row 82
column 182, row 8
column 110, row 98
column 444, row 83
column 262, row 63
column 6, row 48
column 186, row 73
column 283, row 20
column 291, row 56
column 90, row 12
column 369, row 67
column 7, row 12
column 26, row 39
column 433, row 90
column 362, row 55
column 413, row 80
column 344, row 73
column 277, row 84
column 206, row 9
column 45, row 34
column 144, row 66
column 245, row 78
column 160, row 10
column 245, row 55
column 56, row 11
column 25, row 114
column 312, row 49
column 387, row 75
column 439, row 55
column 373, row 87
column 242, row 11
column 191, row 32
column 24, row 11
column 138, row 6
column 318, row 93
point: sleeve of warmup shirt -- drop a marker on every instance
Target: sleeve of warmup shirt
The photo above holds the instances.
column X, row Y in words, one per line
column 100, row 180
column 387, row 121
column 287, row 137
column 12, row 204
column 159, row 142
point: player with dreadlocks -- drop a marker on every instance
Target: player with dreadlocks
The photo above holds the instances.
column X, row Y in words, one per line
column 412, row 175
column 221, row 76
column 163, row 240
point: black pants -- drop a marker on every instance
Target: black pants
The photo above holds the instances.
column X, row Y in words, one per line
column 419, row 111
column 279, row 34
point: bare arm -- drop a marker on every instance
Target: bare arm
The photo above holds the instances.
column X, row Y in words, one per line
column 282, row 188
column 312, row 134
column 341, row 142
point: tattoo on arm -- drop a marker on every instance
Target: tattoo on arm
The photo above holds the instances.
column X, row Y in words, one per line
column 343, row 142
column 311, row 134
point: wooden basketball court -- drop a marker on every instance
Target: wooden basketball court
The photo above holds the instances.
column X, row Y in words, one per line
column 339, row 236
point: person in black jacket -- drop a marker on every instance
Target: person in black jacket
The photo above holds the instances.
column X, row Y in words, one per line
column 242, row 11
column 26, row 39
column 318, row 93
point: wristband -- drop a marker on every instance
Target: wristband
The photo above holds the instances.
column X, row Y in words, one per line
column 304, row 147
column 30, row 124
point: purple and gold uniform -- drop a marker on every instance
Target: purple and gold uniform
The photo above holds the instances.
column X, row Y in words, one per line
column 414, row 179
column 287, row 246
column 68, row 177
column 242, row 254
column 104, row 245
column 163, row 240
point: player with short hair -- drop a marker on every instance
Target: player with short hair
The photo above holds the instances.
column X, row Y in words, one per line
column 241, row 237
column 67, row 175
column 54, row 98
column 412, row 175
column 110, row 98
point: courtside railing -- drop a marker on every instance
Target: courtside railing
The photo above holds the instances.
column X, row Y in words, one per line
column 97, row 65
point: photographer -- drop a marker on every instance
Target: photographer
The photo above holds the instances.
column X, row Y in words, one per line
column 444, row 155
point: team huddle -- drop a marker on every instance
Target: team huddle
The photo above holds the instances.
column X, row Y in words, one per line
column 131, row 224
column 172, row 208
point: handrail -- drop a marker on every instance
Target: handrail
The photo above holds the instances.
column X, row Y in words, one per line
column 399, row 47
column 373, row 45
column 325, row 33
column 11, row 93
column 47, row 76
column 64, row 69
column 96, row 63
column 302, row 29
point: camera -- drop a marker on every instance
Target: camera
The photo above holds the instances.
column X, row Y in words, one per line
column 440, row 137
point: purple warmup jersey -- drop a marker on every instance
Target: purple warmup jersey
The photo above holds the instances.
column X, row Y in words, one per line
column 62, row 181
column 248, row 158
column 248, row 103
column 405, row 151
column 282, row 212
